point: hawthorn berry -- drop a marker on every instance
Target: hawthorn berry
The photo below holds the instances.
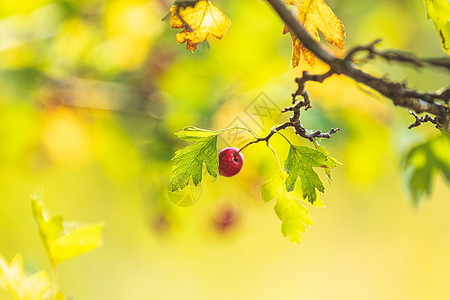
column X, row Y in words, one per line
column 224, row 215
column 230, row 163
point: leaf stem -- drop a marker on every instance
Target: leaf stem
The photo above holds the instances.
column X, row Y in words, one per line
column 274, row 130
column 285, row 138
column 54, row 279
column 276, row 156
column 242, row 128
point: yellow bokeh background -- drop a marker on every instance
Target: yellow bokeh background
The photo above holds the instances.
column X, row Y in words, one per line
column 91, row 93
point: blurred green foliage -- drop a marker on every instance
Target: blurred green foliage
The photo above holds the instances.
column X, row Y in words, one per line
column 426, row 161
column 91, row 93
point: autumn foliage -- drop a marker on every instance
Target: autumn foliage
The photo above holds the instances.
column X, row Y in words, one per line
column 201, row 19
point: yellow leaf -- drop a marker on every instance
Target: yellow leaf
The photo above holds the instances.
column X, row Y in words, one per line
column 63, row 240
column 20, row 286
column 293, row 216
column 199, row 20
column 439, row 12
column 77, row 239
column 315, row 15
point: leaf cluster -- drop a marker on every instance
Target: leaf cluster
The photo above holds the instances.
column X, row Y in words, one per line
column 62, row 240
column 201, row 18
column 284, row 188
column 289, row 192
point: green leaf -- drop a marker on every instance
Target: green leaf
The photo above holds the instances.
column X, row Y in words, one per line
column 63, row 240
column 294, row 216
column 439, row 12
column 19, row 285
column 189, row 160
column 299, row 163
column 423, row 162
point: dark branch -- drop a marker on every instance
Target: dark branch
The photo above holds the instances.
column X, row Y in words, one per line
column 399, row 93
column 294, row 120
column 301, row 33
column 301, row 86
column 320, row 134
column 397, row 56
column 306, row 103
column 443, row 62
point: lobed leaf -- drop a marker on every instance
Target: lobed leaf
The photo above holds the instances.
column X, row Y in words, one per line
column 424, row 161
column 315, row 16
column 299, row 163
column 63, row 240
column 189, row 160
column 199, row 20
column 294, row 216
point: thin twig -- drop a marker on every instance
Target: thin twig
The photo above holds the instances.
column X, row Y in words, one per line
column 398, row 56
column 241, row 128
column 420, row 120
column 276, row 156
column 266, row 138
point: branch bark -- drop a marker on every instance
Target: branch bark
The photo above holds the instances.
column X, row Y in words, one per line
column 399, row 93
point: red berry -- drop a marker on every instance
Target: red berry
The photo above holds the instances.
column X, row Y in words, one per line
column 229, row 163
column 225, row 216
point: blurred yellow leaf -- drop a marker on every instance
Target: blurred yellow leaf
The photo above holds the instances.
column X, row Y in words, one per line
column 439, row 12
column 199, row 19
column 315, row 15
column 20, row 286
column 293, row 216
column 63, row 240
column 77, row 239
